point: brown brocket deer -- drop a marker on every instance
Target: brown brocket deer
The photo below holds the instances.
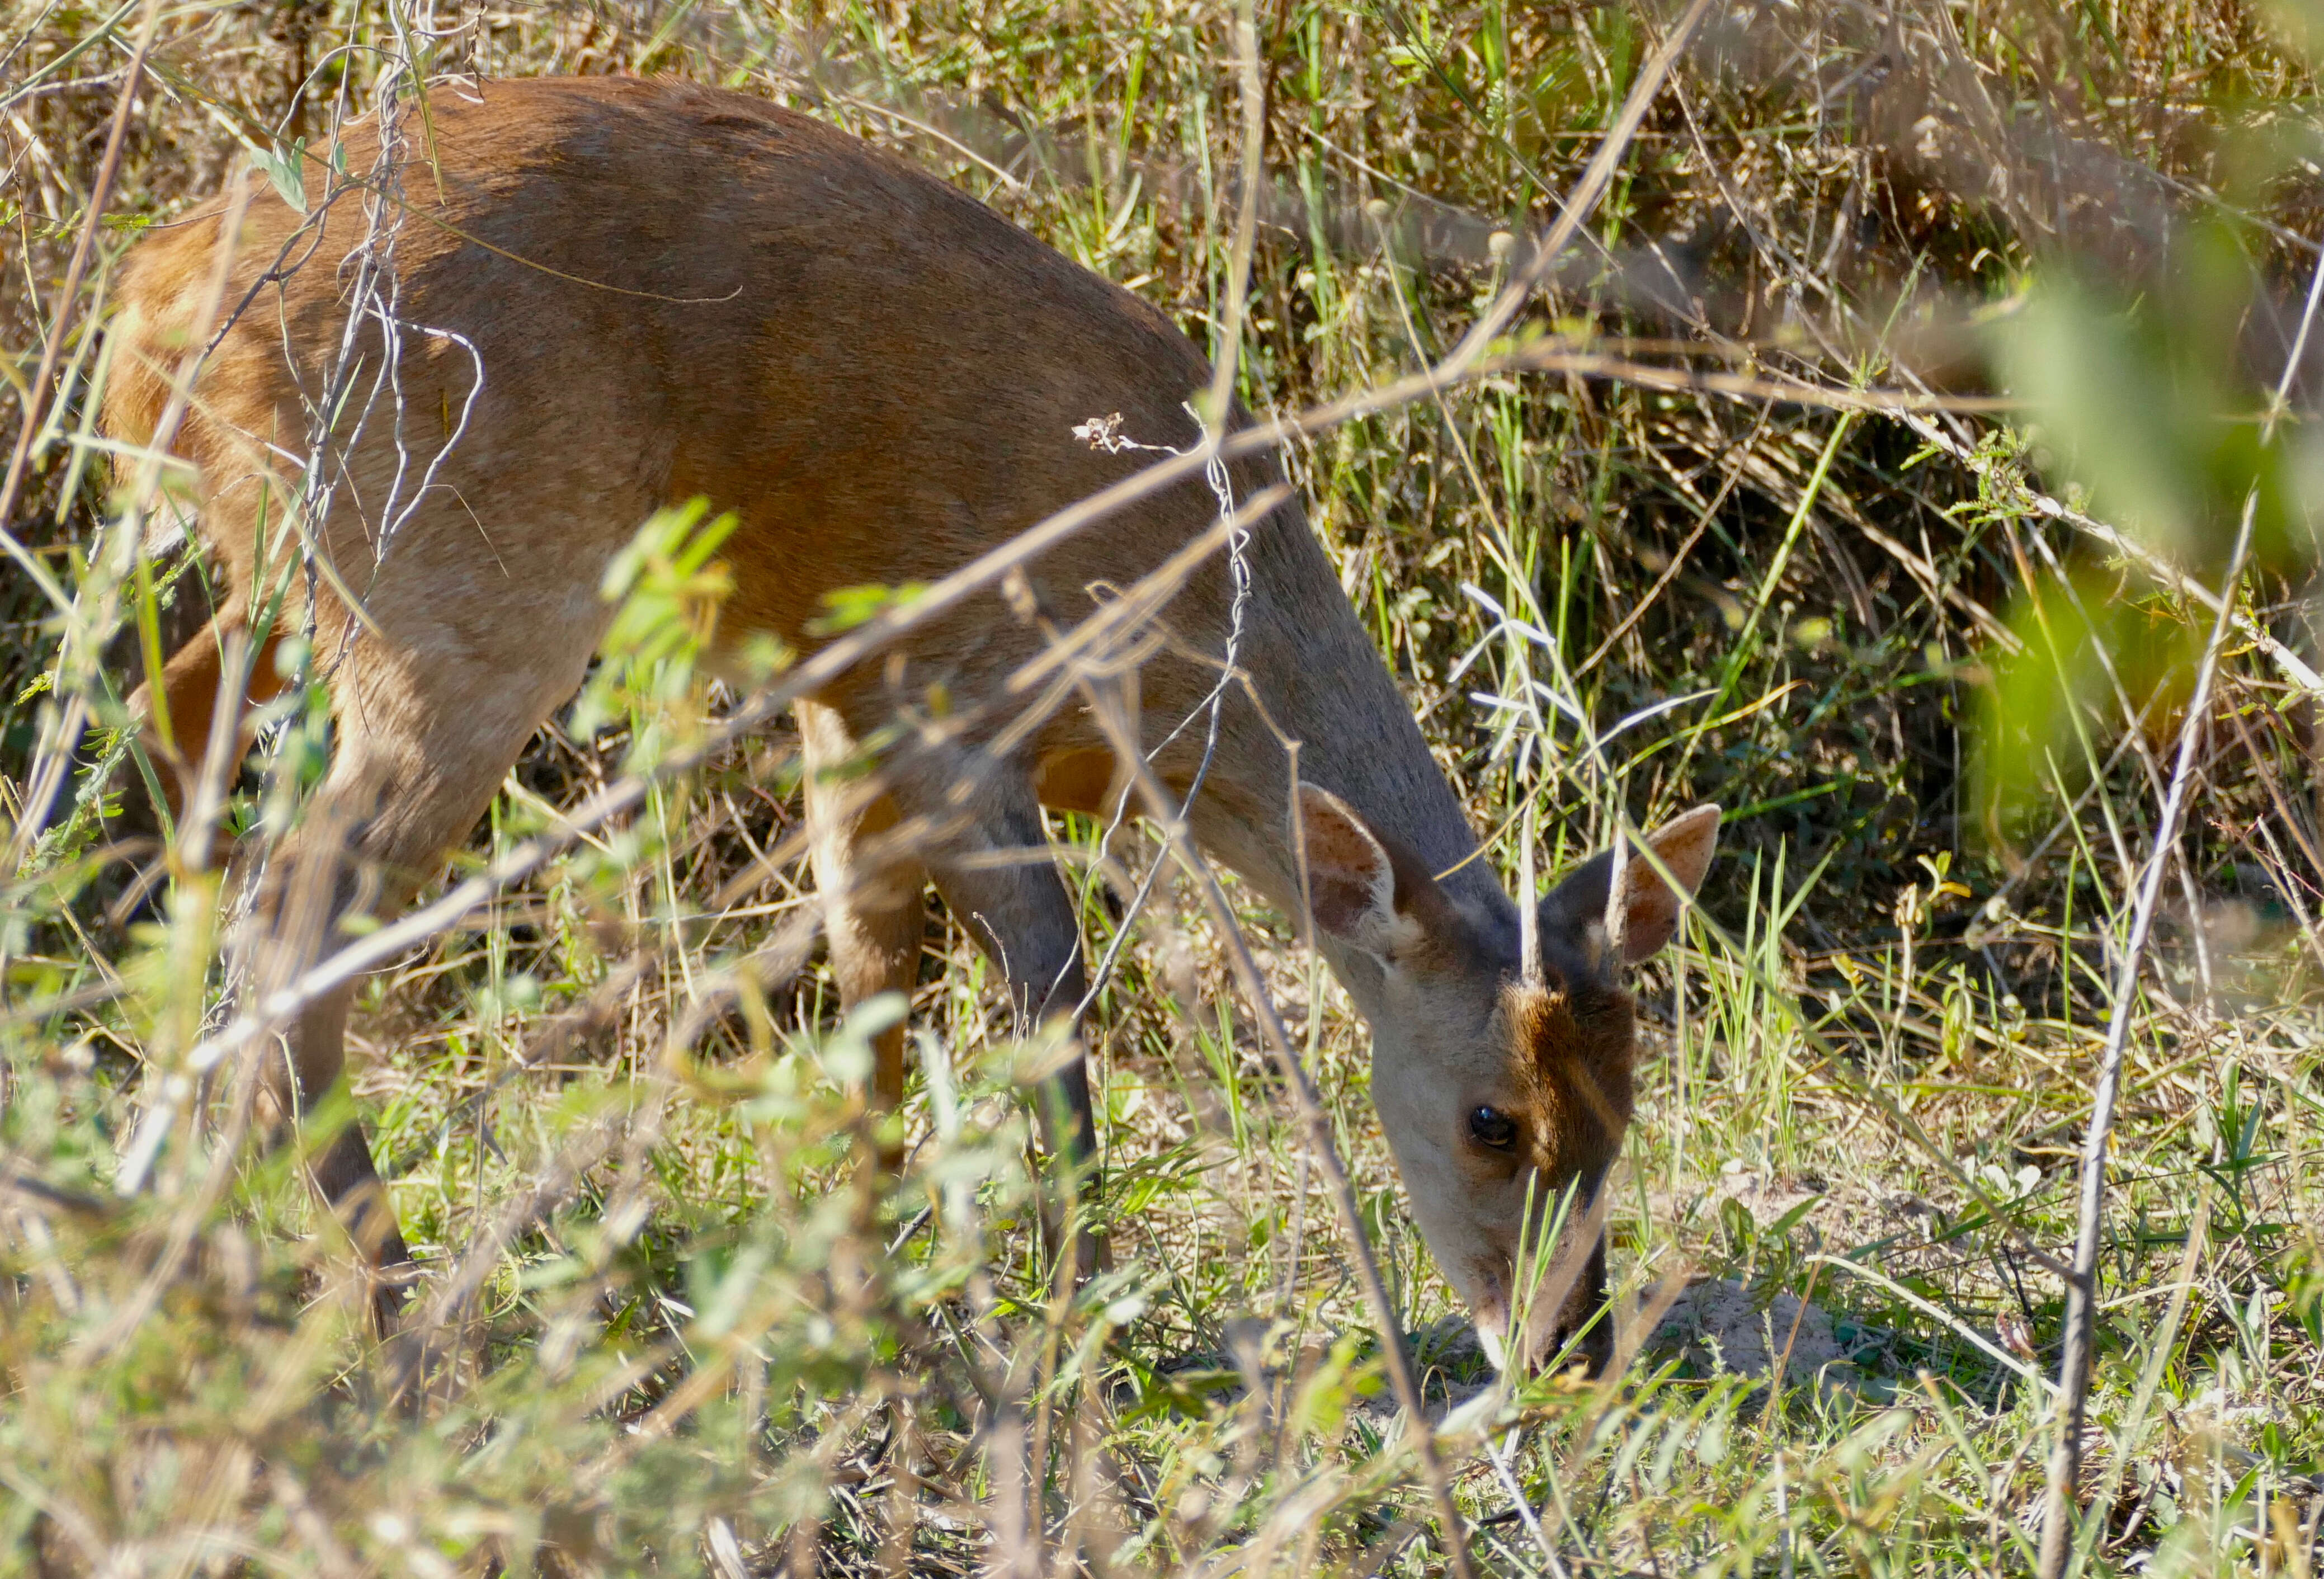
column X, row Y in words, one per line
column 612, row 295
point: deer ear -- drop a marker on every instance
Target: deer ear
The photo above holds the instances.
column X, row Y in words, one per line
column 1649, row 909
column 1351, row 879
column 1578, row 916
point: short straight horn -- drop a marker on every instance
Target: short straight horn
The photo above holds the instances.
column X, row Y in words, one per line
column 1617, row 891
column 1528, row 904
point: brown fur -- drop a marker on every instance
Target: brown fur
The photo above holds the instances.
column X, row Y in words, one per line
column 1577, row 1046
column 677, row 293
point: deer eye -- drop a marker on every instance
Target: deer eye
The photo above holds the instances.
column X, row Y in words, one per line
column 1490, row 1126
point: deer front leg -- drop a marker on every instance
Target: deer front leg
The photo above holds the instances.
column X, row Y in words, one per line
column 874, row 913
column 999, row 881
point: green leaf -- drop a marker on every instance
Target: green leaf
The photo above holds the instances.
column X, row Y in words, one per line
column 852, row 606
column 286, row 168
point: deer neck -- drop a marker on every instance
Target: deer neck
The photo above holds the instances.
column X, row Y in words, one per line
column 1324, row 685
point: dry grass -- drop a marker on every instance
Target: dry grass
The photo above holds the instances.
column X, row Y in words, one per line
column 686, row 1341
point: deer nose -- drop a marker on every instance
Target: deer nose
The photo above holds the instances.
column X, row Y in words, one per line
column 1518, row 1353
column 1489, row 1310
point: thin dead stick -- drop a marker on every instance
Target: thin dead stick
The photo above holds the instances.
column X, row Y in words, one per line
column 1756, row 386
column 2289, row 664
column 1314, row 1123
column 1583, row 200
column 893, row 623
column 378, row 948
column 2198, row 1233
column 2059, row 1503
column 1105, row 702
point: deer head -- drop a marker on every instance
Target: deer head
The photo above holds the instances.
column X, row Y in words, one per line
column 1501, row 1056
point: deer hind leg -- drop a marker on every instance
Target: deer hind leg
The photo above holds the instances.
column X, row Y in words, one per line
column 425, row 733
column 874, row 914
